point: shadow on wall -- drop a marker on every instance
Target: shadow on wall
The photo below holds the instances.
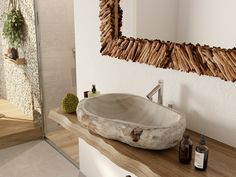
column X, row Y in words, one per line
column 198, row 120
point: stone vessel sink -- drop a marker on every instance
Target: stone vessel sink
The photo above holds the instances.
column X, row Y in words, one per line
column 133, row 120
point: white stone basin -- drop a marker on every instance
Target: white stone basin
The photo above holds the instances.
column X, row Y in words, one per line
column 133, row 120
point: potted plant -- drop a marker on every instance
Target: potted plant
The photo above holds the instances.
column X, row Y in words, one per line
column 13, row 28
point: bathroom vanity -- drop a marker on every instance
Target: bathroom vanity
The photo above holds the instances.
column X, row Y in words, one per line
column 95, row 164
column 102, row 157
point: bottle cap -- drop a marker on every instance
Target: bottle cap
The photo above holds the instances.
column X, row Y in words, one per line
column 202, row 140
column 186, row 136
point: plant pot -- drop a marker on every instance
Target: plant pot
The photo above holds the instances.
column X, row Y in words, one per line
column 12, row 53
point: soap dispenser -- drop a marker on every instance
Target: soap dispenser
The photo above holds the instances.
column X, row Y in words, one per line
column 93, row 92
column 201, row 155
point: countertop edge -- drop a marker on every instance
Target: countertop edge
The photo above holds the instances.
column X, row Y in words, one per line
column 99, row 143
column 146, row 163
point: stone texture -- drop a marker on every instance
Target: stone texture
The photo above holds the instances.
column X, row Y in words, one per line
column 133, row 120
column 20, row 84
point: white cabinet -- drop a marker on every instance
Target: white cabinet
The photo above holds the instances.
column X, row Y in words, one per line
column 95, row 164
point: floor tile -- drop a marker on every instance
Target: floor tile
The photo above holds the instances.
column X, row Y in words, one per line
column 35, row 159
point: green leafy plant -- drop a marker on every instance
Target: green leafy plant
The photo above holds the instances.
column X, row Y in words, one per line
column 13, row 29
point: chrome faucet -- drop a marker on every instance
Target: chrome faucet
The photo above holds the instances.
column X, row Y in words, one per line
column 159, row 89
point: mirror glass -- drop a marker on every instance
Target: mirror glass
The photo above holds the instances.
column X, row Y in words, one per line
column 56, row 31
column 189, row 21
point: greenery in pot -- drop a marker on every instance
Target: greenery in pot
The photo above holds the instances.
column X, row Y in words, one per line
column 13, row 29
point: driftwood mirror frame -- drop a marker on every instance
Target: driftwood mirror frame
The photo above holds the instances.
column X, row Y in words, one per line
column 203, row 60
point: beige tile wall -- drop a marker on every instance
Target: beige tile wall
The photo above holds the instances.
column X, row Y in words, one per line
column 56, row 29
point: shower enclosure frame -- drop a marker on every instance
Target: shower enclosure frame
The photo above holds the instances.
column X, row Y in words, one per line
column 39, row 53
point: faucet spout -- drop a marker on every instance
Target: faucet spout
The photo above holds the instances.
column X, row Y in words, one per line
column 159, row 89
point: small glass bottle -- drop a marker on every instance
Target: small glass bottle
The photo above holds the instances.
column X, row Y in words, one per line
column 86, row 94
column 185, row 149
column 94, row 90
column 201, row 155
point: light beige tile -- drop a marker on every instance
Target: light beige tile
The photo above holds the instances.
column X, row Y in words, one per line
column 63, row 11
column 35, row 159
column 56, row 27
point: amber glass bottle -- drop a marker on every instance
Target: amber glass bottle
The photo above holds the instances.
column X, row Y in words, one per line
column 201, row 155
column 185, row 149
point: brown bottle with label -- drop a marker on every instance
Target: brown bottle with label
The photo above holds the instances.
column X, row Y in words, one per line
column 185, row 150
column 201, row 155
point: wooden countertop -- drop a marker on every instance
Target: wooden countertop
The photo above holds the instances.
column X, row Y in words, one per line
column 147, row 163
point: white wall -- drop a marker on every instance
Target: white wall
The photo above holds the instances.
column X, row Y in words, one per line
column 129, row 17
column 190, row 21
column 207, row 22
column 157, row 19
column 209, row 103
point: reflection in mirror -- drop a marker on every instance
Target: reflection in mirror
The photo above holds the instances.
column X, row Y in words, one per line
column 190, row 21
column 20, row 100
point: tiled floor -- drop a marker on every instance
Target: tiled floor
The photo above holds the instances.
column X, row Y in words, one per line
column 35, row 159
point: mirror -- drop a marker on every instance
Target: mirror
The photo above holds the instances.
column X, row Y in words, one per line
column 189, row 56
column 189, row 21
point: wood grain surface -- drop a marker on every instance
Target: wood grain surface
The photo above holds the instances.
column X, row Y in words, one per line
column 67, row 141
column 15, row 127
column 147, row 163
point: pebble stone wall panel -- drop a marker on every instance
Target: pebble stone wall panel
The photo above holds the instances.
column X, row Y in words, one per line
column 21, row 83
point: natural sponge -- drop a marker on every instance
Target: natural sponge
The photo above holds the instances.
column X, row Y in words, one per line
column 69, row 103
